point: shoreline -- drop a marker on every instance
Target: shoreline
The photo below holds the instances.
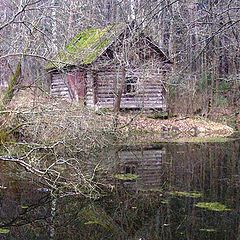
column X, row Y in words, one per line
column 183, row 129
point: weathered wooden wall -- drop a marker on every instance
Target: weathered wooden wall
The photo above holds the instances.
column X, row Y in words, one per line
column 90, row 99
column 150, row 93
column 145, row 61
column 69, row 85
column 99, row 88
column 59, row 86
column 99, row 84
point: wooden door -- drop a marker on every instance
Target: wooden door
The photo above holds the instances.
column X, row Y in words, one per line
column 77, row 84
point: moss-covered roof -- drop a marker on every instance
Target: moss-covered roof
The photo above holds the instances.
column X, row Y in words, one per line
column 85, row 47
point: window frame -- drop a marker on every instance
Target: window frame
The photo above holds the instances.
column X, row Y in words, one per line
column 131, row 85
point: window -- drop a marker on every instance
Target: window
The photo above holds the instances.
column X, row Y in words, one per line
column 130, row 169
column 131, row 85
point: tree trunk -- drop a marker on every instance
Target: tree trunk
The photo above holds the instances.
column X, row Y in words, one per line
column 11, row 89
column 119, row 90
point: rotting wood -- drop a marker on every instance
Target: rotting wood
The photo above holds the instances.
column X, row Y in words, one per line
column 105, row 81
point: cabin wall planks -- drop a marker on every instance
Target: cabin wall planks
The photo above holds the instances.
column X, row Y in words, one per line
column 98, row 88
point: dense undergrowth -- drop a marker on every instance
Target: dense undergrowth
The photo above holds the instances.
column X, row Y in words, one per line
column 59, row 143
column 64, row 143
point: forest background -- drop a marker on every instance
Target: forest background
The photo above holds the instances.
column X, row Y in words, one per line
column 200, row 36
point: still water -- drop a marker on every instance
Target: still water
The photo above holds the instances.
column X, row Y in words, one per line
column 170, row 191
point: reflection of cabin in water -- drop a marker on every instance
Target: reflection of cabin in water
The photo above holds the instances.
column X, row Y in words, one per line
column 146, row 163
column 103, row 67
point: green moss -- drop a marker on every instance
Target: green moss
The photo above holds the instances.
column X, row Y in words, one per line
column 4, row 230
column 160, row 115
column 165, row 201
column 127, row 176
column 94, row 215
column 85, row 47
column 24, row 206
column 88, row 44
column 186, row 194
column 213, row 206
column 4, row 135
column 207, row 230
column 93, row 55
column 9, row 93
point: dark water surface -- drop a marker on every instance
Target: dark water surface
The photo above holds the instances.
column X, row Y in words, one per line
column 182, row 191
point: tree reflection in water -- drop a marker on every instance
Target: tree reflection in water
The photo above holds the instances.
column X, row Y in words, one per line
column 159, row 204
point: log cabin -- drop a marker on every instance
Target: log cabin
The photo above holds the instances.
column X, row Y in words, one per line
column 146, row 163
column 115, row 67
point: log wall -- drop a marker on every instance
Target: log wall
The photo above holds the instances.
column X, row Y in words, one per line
column 59, row 87
column 150, row 93
column 101, row 88
column 69, row 85
column 101, row 82
column 90, row 93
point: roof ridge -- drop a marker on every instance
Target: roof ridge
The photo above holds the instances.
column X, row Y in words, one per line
column 89, row 44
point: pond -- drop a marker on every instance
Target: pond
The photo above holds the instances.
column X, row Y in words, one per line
column 166, row 191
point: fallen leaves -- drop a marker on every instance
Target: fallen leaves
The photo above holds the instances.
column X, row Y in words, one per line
column 185, row 127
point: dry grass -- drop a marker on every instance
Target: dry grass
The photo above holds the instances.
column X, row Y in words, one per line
column 57, row 141
column 46, row 119
column 61, row 141
column 180, row 127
